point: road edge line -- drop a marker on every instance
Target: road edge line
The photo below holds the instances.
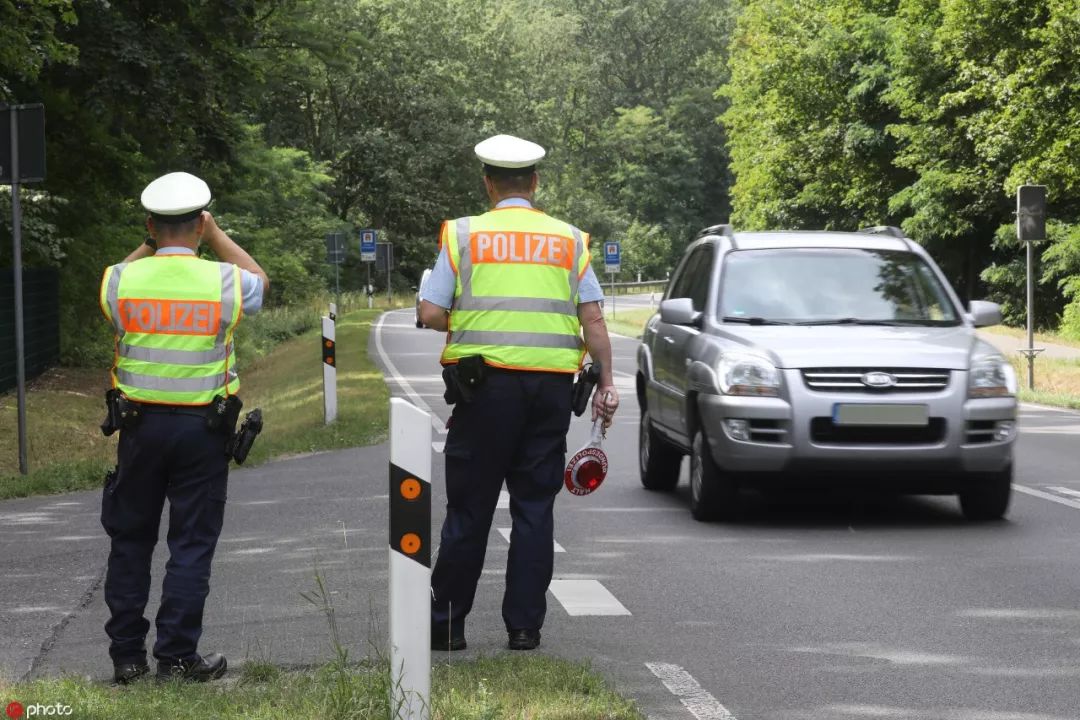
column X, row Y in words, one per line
column 1047, row 496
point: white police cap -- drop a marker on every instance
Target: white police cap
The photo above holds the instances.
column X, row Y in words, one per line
column 507, row 151
column 176, row 197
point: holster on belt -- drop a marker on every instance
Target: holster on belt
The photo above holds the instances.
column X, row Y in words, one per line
column 222, row 414
column 120, row 413
column 583, row 388
column 463, row 378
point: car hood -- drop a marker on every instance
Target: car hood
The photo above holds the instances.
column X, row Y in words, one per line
column 945, row 348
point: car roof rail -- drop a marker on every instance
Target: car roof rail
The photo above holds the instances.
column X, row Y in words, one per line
column 723, row 229
column 885, row 230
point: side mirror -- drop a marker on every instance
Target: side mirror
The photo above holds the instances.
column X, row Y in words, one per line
column 985, row 314
column 680, row 311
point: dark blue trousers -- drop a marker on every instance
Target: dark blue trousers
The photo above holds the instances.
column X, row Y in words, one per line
column 168, row 456
column 514, row 430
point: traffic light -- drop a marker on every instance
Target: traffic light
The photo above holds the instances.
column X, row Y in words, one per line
column 1031, row 212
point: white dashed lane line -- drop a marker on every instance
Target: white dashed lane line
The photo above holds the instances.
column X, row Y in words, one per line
column 504, row 501
column 694, row 698
column 1066, row 491
column 505, row 532
column 586, row 597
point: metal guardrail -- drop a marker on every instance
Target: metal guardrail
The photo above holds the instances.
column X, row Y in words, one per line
column 626, row 288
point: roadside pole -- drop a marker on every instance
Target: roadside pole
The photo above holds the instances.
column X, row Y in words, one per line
column 329, row 370
column 410, row 561
column 612, row 264
column 22, row 160
column 1031, row 227
column 368, row 240
column 16, row 251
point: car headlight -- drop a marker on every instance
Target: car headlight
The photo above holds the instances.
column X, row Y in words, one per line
column 991, row 376
column 744, row 374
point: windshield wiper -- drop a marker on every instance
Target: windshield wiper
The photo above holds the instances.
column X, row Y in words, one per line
column 862, row 321
column 754, row 320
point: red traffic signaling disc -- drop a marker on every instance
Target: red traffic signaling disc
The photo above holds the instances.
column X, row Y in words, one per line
column 586, row 470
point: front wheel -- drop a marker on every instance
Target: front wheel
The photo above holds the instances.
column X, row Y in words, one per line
column 985, row 496
column 658, row 462
column 714, row 494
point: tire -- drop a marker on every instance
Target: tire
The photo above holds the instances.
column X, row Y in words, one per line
column 985, row 496
column 714, row 495
column 658, row 462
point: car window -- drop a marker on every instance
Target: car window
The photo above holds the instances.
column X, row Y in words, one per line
column 699, row 289
column 823, row 285
column 690, row 275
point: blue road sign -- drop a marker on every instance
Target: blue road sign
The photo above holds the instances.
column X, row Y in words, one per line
column 612, row 256
column 368, row 239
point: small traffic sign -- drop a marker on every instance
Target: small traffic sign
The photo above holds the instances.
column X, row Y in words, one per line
column 612, row 256
column 368, row 239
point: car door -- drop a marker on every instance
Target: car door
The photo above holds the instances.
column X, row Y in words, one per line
column 671, row 341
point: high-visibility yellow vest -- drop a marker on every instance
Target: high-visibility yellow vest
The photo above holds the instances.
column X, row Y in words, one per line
column 174, row 317
column 518, row 272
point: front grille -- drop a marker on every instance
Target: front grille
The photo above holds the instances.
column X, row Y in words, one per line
column 824, row 432
column 908, row 380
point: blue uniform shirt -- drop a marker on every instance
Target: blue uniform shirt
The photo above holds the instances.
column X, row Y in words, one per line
column 440, row 285
column 251, row 286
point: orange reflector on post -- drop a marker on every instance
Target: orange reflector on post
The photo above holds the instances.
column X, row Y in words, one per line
column 410, row 543
column 410, row 488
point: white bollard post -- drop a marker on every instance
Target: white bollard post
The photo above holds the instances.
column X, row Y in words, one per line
column 410, row 561
column 329, row 371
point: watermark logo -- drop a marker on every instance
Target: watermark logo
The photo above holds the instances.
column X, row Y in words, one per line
column 16, row 710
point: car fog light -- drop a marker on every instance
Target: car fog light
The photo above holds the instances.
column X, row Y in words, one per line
column 1004, row 430
column 737, row 429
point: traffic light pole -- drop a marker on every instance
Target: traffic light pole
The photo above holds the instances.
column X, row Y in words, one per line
column 1031, row 314
column 16, row 251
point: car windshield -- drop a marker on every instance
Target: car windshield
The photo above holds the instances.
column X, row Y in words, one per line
column 826, row 286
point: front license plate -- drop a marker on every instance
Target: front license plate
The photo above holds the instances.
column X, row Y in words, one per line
column 859, row 414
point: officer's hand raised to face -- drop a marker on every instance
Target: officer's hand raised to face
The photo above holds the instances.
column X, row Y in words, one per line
column 604, row 403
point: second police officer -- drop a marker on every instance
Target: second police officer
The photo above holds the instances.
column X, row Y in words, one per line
column 515, row 290
column 174, row 382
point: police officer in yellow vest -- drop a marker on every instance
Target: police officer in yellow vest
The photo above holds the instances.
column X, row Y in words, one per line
column 514, row 289
column 174, row 316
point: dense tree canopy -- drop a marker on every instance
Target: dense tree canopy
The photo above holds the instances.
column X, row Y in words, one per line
column 659, row 116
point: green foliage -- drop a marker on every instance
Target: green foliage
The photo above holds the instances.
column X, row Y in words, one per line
column 920, row 113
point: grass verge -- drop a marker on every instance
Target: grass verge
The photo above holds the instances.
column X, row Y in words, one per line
column 64, row 409
column 534, row 687
column 629, row 322
column 1021, row 333
column 1057, row 382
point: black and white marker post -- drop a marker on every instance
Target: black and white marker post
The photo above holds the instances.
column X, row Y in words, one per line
column 410, row 561
column 329, row 368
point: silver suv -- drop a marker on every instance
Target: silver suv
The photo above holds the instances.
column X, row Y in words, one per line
column 793, row 360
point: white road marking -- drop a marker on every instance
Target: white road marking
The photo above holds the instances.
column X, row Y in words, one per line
column 505, row 532
column 397, row 376
column 1047, row 496
column 701, row 704
column 1066, row 491
column 586, row 597
column 504, row 501
column 438, row 446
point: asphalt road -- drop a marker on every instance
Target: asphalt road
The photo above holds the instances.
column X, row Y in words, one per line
column 836, row 608
column 840, row 608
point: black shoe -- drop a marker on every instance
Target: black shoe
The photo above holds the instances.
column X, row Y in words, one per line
column 524, row 639
column 201, row 669
column 446, row 641
column 126, row 673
